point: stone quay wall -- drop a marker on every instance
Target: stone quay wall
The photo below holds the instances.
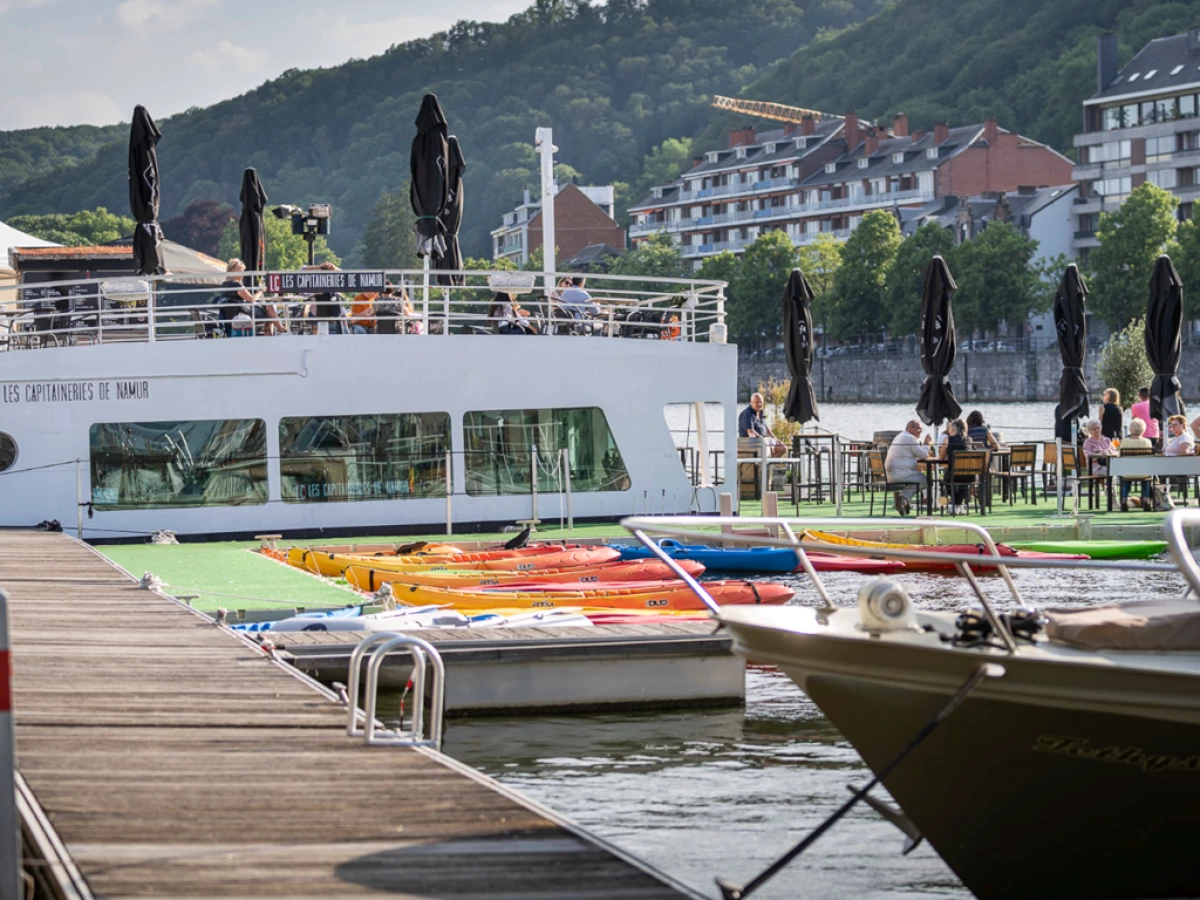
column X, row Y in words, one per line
column 977, row 377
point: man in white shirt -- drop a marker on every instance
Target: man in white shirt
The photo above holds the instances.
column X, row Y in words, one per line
column 901, row 463
column 576, row 301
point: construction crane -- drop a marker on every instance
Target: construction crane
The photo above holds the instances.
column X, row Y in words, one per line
column 767, row 110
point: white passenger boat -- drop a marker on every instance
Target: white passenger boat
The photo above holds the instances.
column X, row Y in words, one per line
column 130, row 415
column 1051, row 754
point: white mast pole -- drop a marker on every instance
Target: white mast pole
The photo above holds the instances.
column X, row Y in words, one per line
column 544, row 140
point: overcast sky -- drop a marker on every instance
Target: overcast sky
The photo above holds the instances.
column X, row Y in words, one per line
column 72, row 62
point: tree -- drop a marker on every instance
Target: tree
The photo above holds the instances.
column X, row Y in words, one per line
column 903, row 290
column 87, row 228
column 1186, row 256
column 757, row 288
column 200, row 225
column 996, row 282
column 662, row 165
column 284, row 249
column 1123, row 364
column 1130, row 240
column 389, row 241
column 656, row 257
column 860, row 303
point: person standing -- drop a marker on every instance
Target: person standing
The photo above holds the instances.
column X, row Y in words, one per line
column 906, row 449
column 1111, row 417
column 752, row 424
column 1141, row 410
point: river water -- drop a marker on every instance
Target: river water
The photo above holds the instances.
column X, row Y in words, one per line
column 724, row 792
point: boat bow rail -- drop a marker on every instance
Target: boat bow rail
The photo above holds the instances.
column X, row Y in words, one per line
column 167, row 307
column 790, row 531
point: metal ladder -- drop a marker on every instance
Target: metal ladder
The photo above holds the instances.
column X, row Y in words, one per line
column 424, row 654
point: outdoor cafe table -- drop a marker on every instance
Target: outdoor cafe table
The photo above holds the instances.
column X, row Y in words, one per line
column 1152, row 467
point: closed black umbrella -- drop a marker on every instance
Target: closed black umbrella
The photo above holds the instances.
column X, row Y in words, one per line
column 144, row 194
column 801, row 405
column 1070, row 325
column 1164, row 319
column 251, row 229
column 938, row 344
column 429, row 186
column 453, row 213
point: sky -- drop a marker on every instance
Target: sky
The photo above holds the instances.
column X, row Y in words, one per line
column 74, row 62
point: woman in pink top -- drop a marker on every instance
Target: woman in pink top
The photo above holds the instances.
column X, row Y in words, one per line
column 1141, row 410
column 1096, row 447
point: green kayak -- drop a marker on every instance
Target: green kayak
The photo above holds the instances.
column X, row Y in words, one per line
column 1096, row 549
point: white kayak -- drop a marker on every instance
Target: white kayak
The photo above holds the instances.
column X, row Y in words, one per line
column 416, row 617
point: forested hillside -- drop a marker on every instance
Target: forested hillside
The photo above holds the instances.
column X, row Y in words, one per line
column 613, row 79
column 1029, row 63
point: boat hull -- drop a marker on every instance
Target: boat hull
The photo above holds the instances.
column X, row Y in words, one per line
column 1028, row 782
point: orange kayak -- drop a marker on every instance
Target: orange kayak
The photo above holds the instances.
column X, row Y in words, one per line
column 367, row 579
column 335, row 564
column 673, row 595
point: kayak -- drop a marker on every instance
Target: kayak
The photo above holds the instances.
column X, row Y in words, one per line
column 1097, row 549
column 414, row 618
column 671, row 595
column 368, row 579
column 335, row 564
column 965, row 550
column 770, row 560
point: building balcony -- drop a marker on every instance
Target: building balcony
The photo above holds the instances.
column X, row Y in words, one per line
column 803, row 210
column 649, row 228
column 733, row 190
column 1085, row 172
column 810, row 237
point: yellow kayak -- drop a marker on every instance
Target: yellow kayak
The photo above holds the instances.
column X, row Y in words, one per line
column 370, row 579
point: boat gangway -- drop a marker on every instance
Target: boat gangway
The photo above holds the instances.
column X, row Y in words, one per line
column 162, row 756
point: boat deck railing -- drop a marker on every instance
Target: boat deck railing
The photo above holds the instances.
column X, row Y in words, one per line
column 790, row 533
column 147, row 309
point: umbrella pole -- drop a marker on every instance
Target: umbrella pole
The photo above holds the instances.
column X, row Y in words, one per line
column 1058, row 475
column 425, row 294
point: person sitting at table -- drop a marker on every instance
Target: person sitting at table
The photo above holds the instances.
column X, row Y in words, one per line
column 1135, row 441
column 906, row 449
column 1179, row 441
column 1097, row 447
column 752, row 424
column 508, row 317
column 362, row 313
column 979, row 433
column 234, row 298
column 956, row 439
column 1111, row 417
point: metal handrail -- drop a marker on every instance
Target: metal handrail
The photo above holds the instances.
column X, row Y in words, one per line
column 1176, row 521
column 423, row 654
column 699, row 528
column 353, row 672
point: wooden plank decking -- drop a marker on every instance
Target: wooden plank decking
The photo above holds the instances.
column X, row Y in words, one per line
column 173, row 759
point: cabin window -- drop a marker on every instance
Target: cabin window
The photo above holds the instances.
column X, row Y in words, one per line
column 150, row 465
column 327, row 459
column 8, row 452
column 500, row 443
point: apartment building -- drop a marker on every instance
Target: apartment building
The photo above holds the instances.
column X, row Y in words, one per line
column 1141, row 125
column 583, row 216
column 824, row 176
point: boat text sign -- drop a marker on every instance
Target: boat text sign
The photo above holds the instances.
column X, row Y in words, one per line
column 323, row 281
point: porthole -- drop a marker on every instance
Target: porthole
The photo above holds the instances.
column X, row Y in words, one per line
column 8, row 451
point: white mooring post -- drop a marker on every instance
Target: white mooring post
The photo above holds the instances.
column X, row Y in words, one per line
column 79, row 499
column 10, row 830
column 533, row 484
column 449, row 492
column 544, row 141
column 566, row 468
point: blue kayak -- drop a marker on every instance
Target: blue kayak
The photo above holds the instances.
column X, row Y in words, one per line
column 720, row 559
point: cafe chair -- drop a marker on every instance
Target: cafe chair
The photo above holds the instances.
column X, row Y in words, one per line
column 968, row 467
column 1091, row 481
column 1146, row 481
column 1022, row 465
column 877, row 482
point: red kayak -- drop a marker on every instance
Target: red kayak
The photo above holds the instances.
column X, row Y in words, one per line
column 831, row 562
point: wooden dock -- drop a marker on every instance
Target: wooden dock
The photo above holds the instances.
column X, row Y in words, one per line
column 173, row 758
column 668, row 665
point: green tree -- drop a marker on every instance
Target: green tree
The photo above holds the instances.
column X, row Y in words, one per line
column 757, row 287
column 87, row 228
column 656, row 257
column 662, row 165
column 1130, row 240
column 1123, row 364
column 284, row 249
column 903, row 290
column 1186, row 256
column 389, row 241
column 996, row 281
column 860, row 302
